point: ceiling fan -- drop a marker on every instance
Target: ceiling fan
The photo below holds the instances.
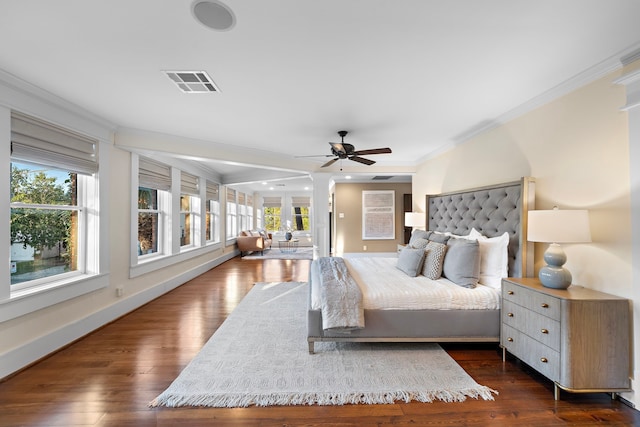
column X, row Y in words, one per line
column 342, row 150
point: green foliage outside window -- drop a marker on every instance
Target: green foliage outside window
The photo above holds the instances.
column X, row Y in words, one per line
column 272, row 219
column 40, row 228
column 50, row 231
column 301, row 219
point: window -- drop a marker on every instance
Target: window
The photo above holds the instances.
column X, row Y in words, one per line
column 149, row 217
column 212, row 213
column 52, row 185
column 232, row 214
column 249, row 212
column 300, row 213
column 271, row 213
column 154, row 180
column 242, row 211
column 44, row 222
column 259, row 223
column 189, row 207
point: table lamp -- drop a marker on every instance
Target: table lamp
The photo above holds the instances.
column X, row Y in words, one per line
column 554, row 227
column 415, row 219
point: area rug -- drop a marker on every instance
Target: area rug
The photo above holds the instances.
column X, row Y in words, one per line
column 259, row 356
column 275, row 253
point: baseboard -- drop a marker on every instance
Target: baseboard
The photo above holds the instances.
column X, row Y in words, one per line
column 21, row 357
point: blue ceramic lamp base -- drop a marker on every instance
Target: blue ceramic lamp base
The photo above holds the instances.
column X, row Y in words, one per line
column 553, row 275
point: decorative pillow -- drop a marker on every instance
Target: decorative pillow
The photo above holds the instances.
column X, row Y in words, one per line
column 410, row 261
column 494, row 258
column 418, row 234
column 419, row 243
column 439, row 237
column 432, row 267
column 462, row 262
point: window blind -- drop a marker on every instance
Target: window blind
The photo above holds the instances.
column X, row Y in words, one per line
column 231, row 195
column 301, row 202
column 271, row 202
column 154, row 175
column 188, row 184
column 249, row 200
column 42, row 143
column 241, row 198
column 213, row 191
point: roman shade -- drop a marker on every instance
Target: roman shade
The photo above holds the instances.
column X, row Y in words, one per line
column 231, row 195
column 301, row 202
column 213, row 191
column 154, row 175
column 188, row 184
column 42, row 143
column 271, row 202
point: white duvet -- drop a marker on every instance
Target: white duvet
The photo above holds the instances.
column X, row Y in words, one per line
column 385, row 287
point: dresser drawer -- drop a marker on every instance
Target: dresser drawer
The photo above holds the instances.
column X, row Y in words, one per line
column 535, row 354
column 539, row 327
column 539, row 302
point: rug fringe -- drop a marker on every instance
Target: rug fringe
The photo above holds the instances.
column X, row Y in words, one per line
column 321, row 399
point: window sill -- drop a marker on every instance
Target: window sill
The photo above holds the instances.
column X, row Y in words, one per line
column 161, row 261
column 28, row 300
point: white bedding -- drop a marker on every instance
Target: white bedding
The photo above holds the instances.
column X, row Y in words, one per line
column 385, row 287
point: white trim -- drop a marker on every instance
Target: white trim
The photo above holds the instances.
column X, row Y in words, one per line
column 156, row 263
column 22, row 96
column 28, row 353
column 36, row 298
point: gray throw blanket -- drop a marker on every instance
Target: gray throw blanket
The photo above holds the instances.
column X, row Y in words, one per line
column 340, row 296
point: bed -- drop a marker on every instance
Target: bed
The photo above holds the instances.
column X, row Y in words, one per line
column 490, row 211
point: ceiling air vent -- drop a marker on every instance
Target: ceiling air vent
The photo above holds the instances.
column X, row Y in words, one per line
column 381, row 177
column 192, row 81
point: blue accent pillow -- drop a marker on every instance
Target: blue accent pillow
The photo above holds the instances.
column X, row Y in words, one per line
column 410, row 261
column 462, row 262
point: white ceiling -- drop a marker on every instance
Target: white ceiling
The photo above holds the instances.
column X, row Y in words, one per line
column 413, row 75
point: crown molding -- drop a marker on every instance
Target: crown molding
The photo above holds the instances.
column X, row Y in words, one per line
column 602, row 69
column 28, row 98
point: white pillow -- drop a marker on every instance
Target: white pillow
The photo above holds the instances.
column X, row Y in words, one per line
column 494, row 258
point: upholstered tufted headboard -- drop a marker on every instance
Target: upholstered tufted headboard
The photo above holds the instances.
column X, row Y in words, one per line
column 492, row 211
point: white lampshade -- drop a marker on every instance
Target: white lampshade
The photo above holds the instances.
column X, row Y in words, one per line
column 559, row 226
column 415, row 219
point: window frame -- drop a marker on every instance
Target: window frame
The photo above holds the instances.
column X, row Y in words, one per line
column 169, row 204
column 92, row 194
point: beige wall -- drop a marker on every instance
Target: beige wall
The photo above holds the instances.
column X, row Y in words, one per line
column 348, row 230
column 577, row 150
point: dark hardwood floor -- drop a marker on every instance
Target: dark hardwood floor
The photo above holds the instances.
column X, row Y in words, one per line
column 109, row 377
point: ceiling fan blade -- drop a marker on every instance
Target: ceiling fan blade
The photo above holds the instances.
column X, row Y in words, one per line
column 338, row 148
column 329, row 163
column 373, row 151
column 362, row 160
column 315, row 155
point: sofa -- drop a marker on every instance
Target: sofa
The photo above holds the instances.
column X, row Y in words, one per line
column 253, row 241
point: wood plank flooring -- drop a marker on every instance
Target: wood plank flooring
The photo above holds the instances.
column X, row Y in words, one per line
column 109, row 377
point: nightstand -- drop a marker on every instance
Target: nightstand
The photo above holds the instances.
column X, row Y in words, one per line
column 578, row 338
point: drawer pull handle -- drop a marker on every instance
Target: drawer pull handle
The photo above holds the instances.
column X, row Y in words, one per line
column 509, row 314
column 544, row 305
column 544, row 331
column 509, row 292
column 543, row 360
column 510, row 339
